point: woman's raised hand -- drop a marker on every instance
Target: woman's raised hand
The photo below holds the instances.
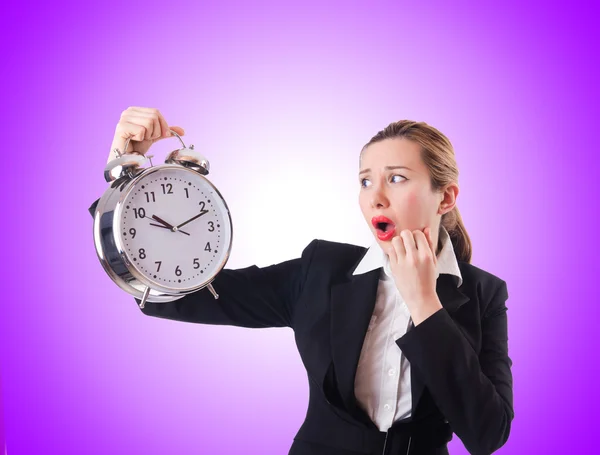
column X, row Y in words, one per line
column 145, row 126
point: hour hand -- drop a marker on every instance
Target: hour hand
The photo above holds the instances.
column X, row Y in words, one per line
column 166, row 225
column 163, row 222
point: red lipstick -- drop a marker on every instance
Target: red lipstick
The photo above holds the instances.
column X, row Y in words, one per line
column 384, row 227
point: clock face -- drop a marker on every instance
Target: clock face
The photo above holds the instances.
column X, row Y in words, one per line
column 174, row 228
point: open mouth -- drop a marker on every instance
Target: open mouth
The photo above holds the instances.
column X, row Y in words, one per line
column 384, row 226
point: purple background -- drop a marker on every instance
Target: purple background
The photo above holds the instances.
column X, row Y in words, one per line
column 281, row 99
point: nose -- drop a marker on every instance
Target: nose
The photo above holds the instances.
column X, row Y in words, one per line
column 378, row 198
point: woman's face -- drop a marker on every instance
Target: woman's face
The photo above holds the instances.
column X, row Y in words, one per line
column 401, row 194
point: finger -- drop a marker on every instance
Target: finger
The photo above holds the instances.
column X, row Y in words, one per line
column 399, row 245
column 142, row 120
column 164, row 130
column 149, row 120
column 179, row 130
column 141, row 109
column 164, row 126
column 426, row 239
column 431, row 245
column 422, row 243
column 124, row 131
column 427, row 233
column 409, row 242
column 393, row 256
column 396, row 248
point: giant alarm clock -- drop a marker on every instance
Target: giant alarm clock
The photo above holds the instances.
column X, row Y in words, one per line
column 162, row 231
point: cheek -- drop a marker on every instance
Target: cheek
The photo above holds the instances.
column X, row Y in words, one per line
column 413, row 203
column 412, row 209
column 413, row 199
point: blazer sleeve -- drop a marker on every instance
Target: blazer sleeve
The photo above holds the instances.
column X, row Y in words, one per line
column 253, row 297
column 473, row 392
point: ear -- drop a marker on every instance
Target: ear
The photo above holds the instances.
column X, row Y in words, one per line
column 448, row 201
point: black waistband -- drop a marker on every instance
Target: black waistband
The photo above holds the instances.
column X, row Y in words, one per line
column 421, row 435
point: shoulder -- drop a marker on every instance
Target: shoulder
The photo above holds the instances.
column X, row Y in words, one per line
column 476, row 274
column 345, row 249
column 335, row 257
column 487, row 287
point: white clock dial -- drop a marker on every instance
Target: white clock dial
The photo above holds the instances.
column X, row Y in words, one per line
column 188, row 255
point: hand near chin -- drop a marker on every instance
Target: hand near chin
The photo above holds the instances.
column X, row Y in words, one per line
column 414, row 267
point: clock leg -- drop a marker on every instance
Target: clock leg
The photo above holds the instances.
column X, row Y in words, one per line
column 212, row 290
column 144, row 297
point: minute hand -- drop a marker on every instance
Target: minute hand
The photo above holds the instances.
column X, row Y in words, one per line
column 192, row 219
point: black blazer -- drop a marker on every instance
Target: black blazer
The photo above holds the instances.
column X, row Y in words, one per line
column 460, row 369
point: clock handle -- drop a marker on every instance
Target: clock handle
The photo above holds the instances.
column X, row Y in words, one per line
column 119, row 153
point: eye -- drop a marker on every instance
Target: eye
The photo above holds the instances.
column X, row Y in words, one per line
column 395, row 175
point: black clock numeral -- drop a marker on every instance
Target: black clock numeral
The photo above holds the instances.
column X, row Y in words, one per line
column 164, row 188
column 139, row 213
column 196, row 263
column 212, row 226
column 187, row 194
column 159, row 263
column 201, row 205
column 207, row 247
column 148, row 196
column 132, row 232
column 142, row 253
column 178, row 271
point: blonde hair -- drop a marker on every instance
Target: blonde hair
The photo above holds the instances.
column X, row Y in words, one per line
column 438, row 155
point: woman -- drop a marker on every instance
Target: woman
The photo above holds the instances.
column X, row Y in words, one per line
column 402, row 347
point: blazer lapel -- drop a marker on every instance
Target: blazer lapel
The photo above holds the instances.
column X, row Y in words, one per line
column 352, row 304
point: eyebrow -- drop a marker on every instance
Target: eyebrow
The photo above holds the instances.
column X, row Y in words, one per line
column 387, row 168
